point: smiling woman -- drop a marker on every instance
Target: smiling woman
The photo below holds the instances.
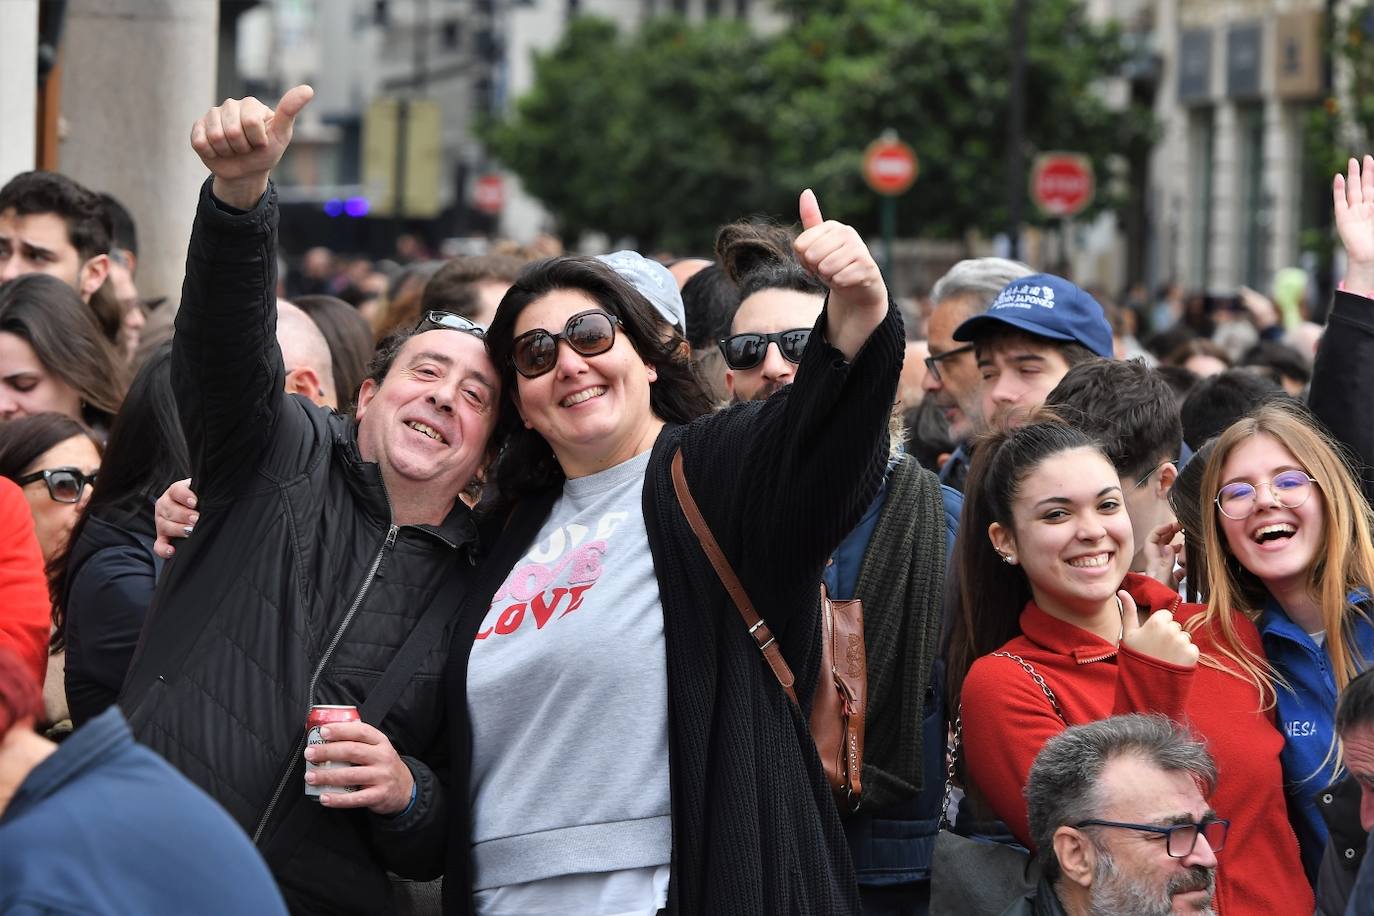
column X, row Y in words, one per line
column 1289, row 546
column 613, row 704
column 1048, row 586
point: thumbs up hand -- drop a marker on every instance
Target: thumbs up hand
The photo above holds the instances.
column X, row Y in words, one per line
column 839, row 258
column 242, row 140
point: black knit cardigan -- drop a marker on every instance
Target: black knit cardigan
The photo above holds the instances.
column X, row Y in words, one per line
column 781, row 482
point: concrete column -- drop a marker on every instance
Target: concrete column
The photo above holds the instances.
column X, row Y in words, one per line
column 18, row 87
column 137, row 74
column 1226, row 201
column 1283, row 162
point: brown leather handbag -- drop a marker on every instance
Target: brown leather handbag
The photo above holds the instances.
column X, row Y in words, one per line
column 838, row 706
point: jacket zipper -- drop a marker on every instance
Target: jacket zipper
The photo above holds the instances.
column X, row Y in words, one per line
column 1173, row 609
column 315, row 677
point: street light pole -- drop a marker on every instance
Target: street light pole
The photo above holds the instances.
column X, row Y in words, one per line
column 1016, row 128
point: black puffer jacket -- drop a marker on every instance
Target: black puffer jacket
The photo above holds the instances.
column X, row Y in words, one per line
column 296, row 589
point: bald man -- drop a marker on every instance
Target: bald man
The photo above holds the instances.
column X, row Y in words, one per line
column 305, row 352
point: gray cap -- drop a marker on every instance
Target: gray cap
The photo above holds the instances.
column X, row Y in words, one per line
column 654, row 282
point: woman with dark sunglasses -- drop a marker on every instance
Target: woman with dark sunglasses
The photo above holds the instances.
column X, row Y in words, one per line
column 54, row 459
column 626, row 747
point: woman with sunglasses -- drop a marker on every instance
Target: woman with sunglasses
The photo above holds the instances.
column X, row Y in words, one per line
column 54, row 459
column 626, row 747
column 1053, row 631
column 1288, row 545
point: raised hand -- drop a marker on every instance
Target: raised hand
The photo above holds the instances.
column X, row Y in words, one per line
column 1162, row 551
column 838, row 257
column 242, row 140
column 1161, row 636
column 1353, row 197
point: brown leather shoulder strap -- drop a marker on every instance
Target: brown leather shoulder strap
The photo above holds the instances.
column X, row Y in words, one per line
column 758, row 628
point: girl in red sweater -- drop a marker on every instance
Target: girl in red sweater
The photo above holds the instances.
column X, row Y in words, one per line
column 1049, row 584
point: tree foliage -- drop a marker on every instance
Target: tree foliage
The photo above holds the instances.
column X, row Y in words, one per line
column 664, row 134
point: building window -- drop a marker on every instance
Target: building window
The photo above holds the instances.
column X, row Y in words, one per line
column 450, row 35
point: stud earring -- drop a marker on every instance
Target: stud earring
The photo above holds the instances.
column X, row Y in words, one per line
column 1007, row 558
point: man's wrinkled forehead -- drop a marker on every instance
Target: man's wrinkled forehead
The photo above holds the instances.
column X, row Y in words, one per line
column 456, row 350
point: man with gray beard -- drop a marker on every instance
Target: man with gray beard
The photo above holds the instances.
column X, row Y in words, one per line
column 1119, row 816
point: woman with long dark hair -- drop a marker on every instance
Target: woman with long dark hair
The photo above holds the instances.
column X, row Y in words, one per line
column 623, row 745
column 103, row 583
column 54, row 460
column 53, row 356
column 1043, row 572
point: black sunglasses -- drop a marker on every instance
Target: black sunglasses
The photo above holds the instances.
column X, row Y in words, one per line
column 589, row 333
column 745, row 351
column 430, row 320
column 65, row 485
column 933, row 362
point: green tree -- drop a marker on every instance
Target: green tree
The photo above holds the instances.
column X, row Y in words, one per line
column 666, row 134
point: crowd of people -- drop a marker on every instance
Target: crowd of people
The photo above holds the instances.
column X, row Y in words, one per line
column 1115, row 562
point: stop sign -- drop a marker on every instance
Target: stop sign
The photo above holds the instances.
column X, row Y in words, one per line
column 1061, row 184
column 890, row 166
column 489, row 194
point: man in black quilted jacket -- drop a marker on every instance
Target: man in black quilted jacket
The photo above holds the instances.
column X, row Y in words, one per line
column 322, row 540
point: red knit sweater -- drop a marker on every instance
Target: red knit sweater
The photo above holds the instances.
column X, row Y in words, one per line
column 1007, row 719
column 24, row 608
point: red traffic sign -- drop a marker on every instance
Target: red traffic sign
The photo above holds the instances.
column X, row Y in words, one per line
column 1062, row 184
column 890, row 166
column 489, row 194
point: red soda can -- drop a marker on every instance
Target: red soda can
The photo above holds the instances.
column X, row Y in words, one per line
column 320, row 716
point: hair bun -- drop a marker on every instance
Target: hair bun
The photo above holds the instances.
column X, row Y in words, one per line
column 746, row 246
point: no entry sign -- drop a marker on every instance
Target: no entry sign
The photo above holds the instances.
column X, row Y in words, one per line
column 1062, row 184
column 489, row 194
column 890, row 166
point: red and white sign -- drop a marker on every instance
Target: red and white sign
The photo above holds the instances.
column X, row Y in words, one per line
column 1062, row 184
column 489, row 194
column 890, row 166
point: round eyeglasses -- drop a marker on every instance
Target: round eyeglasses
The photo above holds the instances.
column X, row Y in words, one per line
column 1290, row 489
column 65, row 485
column 1180, row 839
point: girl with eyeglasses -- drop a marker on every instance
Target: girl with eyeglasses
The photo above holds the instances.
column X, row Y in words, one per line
column 1043, row 568
column 1288, row 544
column 625, row 746
column 54, row 459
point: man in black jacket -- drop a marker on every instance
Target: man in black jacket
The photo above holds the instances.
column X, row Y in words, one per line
column 1348, row 805
column 322, row 541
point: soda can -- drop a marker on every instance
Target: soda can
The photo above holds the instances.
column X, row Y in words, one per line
column 321, row 716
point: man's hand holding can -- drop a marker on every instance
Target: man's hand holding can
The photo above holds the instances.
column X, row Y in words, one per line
column 379, row 778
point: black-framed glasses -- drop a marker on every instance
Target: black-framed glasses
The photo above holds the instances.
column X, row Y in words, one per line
column 589, row 333
column 1290, row 489
column 745, row 351
column 933, row 362
column 65, row 485
column 1180, row 839
column 452, row 321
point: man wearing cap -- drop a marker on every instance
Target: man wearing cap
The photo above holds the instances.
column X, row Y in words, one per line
column 1036, row 330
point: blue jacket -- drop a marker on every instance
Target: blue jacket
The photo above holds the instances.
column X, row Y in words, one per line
column 895, row 846
column 104, row 825
column 1362, row 895
column 1306, row 715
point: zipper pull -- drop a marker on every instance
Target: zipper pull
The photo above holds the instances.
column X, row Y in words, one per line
column 389, row 543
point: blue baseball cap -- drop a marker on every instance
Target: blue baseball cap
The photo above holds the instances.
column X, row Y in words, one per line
column 1046, row 306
